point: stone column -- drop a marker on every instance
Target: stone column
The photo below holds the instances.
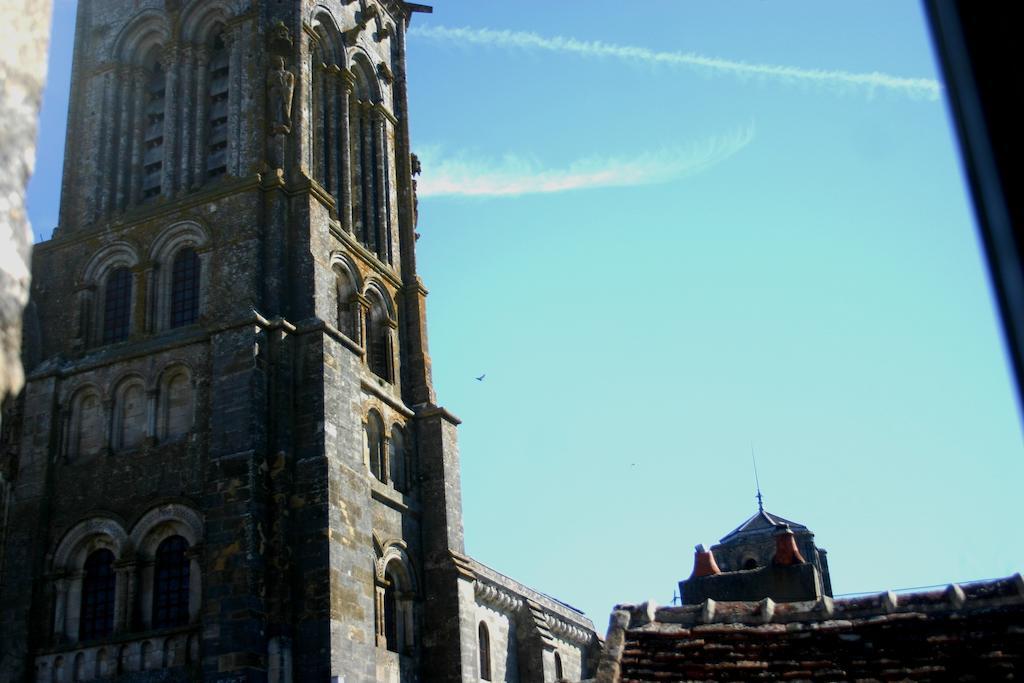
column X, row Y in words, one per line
column 60, row 612
column 380, row 133
column 385, row 457
column 122, row 167
column 331, row 137
column 151, row 414
column 202, row 60
column 139, row 122
column 362, row 308
column 123, row 587
column 345, row 142
column 187, row 108
column 235, row 43
column 106, row 131
column 168, row 184
column 151, row 323
column 378, row 612
column 319, row 104
column 108, row 421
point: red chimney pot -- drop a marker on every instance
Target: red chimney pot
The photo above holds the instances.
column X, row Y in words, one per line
column 786, row 552
column 704, row 563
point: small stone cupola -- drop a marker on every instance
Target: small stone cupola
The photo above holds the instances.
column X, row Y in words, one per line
column 765, row 557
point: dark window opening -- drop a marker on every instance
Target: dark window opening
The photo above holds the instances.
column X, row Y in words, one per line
column 117, row 306
column 558, row 668
column 185, row 288
column 391, row 615
column 484, row 645
column 96, row 619
column 750, row 563
column 171, row 583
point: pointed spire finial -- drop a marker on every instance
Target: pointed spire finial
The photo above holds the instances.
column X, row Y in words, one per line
column 760, row 500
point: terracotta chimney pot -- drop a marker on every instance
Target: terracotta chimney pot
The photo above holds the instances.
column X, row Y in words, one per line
column 786, row 552
column 704, row 563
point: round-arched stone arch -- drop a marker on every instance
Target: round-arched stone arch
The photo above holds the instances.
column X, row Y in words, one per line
column 374, row 290
column 147, row 30
column 175, row 518
column 152, row 529
column 114, row 255
column 367, row 87
column 394, row 553
column 182, row 235
column 330, row 43
column 86, row 536
column 178, row 235
column 200, row 19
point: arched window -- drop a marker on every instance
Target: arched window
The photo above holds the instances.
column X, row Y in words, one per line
column 378, row 332
column 217, row 109
column 397, row 461
column 391, row 616
column 171, row 583
column 87, row 429
column 79, row 670
column 176, row 403
column 558, row 667
column 153, row 137
column 484, row 646
column 117, row 305
column 750, row 563
column 130, row 416
column 369, row 168
column 375, row 444
column 347, row 307
column 96, row 619
column 185, row 288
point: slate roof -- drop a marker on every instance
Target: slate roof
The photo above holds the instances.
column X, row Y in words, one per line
column 964, row 632
column 761, row 522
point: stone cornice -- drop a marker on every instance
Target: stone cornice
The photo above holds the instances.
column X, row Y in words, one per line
column 391, row 401
column 493, row 595
column 138, row 215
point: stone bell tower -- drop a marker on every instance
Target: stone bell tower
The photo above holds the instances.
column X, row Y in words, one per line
column 226, row 345
column 228, row 463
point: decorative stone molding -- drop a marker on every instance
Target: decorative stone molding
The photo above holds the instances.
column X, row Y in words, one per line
column 189, row 521
column 497, row 597
column 97, row 526
column 563, row 630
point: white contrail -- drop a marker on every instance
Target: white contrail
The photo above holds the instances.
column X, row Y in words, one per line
column 915, row 87
column 512, row 175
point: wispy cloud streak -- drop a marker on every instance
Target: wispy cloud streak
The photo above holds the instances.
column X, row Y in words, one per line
column 513, row 175
column 837, row 80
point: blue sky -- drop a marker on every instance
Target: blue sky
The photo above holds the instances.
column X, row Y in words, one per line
column 668, row 232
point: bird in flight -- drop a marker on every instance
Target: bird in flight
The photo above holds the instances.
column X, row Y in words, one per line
column 481, row 377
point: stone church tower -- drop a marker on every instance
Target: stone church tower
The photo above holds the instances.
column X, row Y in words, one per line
column 228, row 463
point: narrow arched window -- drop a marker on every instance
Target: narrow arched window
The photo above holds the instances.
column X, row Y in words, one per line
column 87, row 425
column 558, row 667
column 185, row 288
column 117, row 305
column 397, row 459
column 484, row 646
column 177, row 402
column 378, row 349
column 391, row 615
column 96, row 619
column 375, row 444
column 217, row 109
column 153, row 137
column 171, row 583
column 348, row 315
column 131, row 417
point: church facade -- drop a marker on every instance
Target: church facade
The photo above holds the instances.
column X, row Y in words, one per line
column 229, row 462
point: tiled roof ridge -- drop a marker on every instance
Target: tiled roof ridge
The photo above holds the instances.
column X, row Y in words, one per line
column 773, row 520
column 953, row 598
